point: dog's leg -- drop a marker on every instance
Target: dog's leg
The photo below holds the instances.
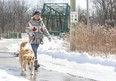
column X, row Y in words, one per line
column 21, row 61
column 32, row 68
column 23, row 70
column 24, row 66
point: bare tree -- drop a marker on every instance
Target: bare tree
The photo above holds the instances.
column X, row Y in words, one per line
column 104, row 9
column 39, row 4
column 2, row 15
column 13, row 15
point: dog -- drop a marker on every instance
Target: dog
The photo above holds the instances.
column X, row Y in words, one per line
column 26, row 57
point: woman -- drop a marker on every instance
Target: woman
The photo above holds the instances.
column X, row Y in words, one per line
column 36, row 29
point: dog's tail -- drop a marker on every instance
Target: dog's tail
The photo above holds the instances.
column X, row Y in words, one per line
column 22, row 45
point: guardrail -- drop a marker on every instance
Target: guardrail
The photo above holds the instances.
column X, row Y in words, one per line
column 11, row 35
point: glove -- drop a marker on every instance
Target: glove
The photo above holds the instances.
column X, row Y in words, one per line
column 49, row 38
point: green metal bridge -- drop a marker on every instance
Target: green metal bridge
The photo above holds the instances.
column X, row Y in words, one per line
column 56, row 17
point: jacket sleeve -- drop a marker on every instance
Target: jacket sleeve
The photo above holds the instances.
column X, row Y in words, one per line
column 46, row 33
column 28, row 28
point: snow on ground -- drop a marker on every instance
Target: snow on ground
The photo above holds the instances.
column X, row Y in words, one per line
column 6, row 75
column 52, row 56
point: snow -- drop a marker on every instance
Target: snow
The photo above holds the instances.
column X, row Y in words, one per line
column 52, row 56
column 5, row 75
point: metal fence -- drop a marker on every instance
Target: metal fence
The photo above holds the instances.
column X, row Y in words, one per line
column 56, row 17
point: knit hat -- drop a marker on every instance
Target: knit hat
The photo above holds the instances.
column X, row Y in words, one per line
column 36, row 13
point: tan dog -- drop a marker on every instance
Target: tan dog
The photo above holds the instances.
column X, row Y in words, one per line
column 26, row 56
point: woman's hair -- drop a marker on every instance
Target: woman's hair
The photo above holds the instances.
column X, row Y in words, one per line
column 36, row 13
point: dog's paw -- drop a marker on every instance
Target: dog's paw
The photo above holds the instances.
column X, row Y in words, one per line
column 32, row 74
column 29, row 68
column 23, row 74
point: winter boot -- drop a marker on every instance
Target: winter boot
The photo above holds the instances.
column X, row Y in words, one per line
column 36, row 65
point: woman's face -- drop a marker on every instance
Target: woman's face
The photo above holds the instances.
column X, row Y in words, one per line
column 36, row 17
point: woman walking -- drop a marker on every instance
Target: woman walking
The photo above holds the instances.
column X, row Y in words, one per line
column 36, row 30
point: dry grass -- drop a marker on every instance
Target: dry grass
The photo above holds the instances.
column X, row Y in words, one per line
column 97, row 39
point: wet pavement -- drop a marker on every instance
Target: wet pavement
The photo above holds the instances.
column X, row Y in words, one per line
column 10, row 64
